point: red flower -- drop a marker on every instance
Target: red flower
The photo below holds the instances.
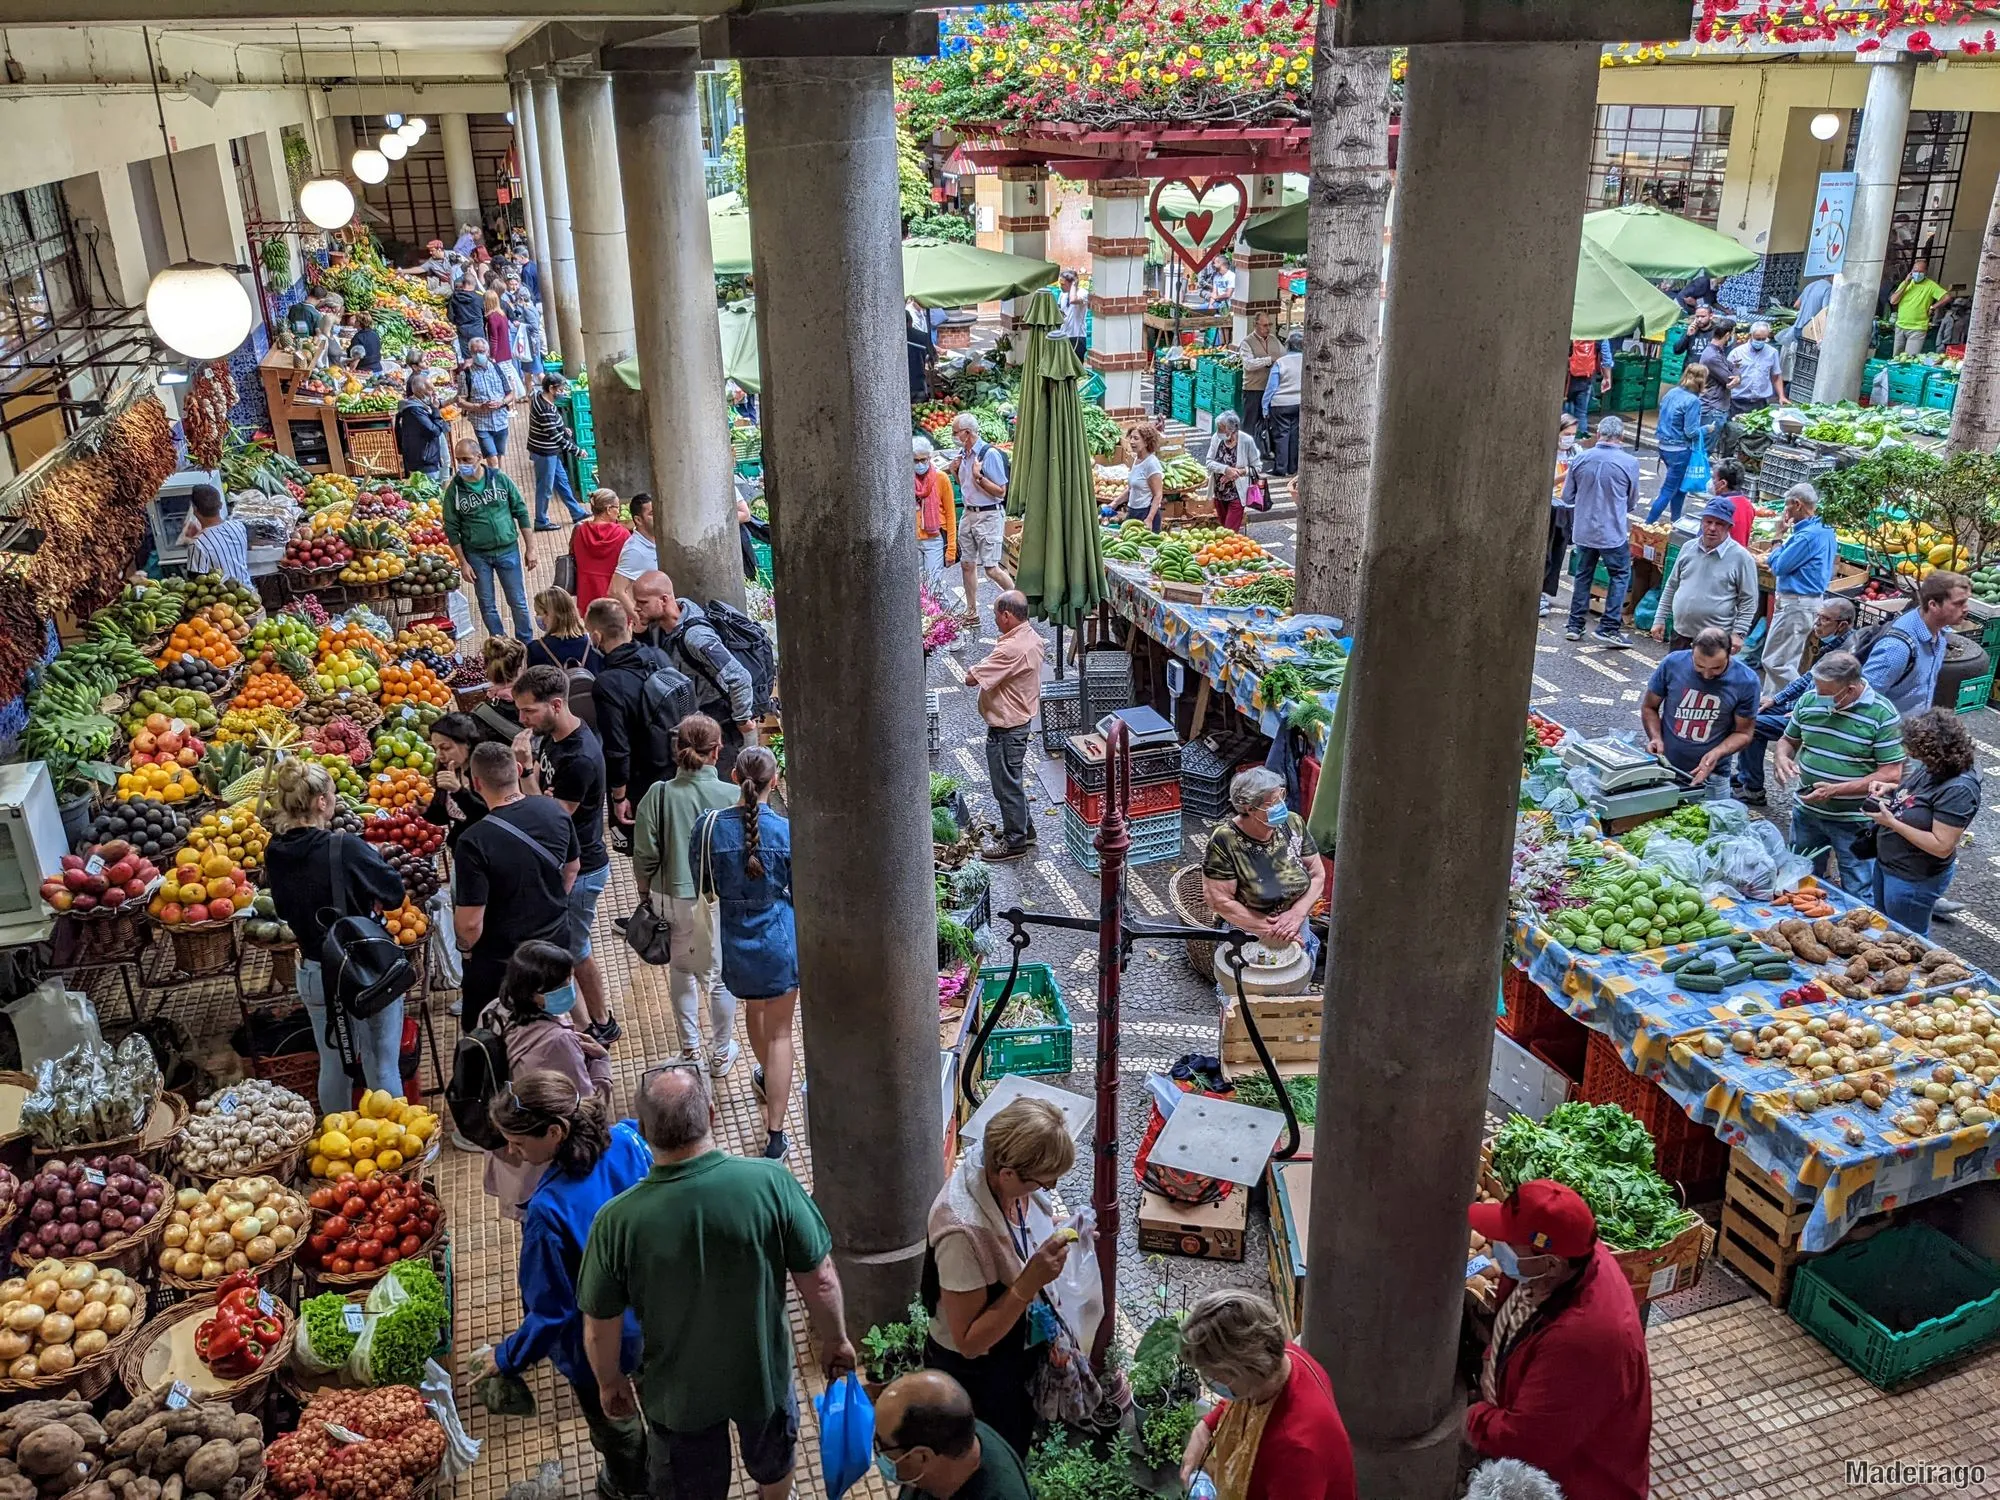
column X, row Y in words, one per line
column 1212, row 22
column 1868, row 45
column 1920, row 41
column 1279, row 8
column 937, row 85
column 1131, row 89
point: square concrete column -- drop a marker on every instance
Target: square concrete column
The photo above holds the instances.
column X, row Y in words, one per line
column 680, row 349
column 1024, row 230
column 558, row 256
column 820, row 138
column 1878, row 170
column 460, row 176
column 1257, row 270
column 1117, row 248
column 528, row 139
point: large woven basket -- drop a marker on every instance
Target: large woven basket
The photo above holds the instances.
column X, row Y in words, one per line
column 1192, row 908
column 131, row 1253
column 88, row 1378
column 152, row 1145
column 239, row 1392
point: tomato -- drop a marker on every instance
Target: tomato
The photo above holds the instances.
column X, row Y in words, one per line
column 355, row 1207
column 392, row 1211
column 367, row 1256
column 345, row 1183
column 322, row 1199
column 340, row 1265
column 371, row 1189
column 409, row 1245
column 347, row 1247
column 383, row 1234
column 390, row 1255
column 335, row 1226
column 320, row 1244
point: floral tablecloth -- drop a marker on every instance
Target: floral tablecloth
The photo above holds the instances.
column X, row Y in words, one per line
column 1748, row 1102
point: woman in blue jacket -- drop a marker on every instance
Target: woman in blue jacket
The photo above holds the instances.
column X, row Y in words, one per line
column 742, row 857
column 1680, row 425
column 590, row 1161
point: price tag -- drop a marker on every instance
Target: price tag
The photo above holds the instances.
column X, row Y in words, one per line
column 94, row 1177
column 352, row 1312
column 94, row 865
column 266, row 1303
column 226, row 1105
column 1477, row 1264
column 179, row 1396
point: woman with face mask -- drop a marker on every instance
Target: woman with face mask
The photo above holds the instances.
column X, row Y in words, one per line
column 1561, row 517
column 937, row 527
column 1263, row 873
column 1277, row 1434
column 531, row 1017
column 1564, row 1384
column 565, row 1134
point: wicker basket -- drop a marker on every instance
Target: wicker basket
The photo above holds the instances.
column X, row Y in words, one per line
column 239, row 1392
column 1192, row 909
column 330, row 1281
column 91, row 1377
column 283, row 1166
column 130, row 1253
column 107, row 937
column 302, row 581
column 203, row 948
column 163, row 1126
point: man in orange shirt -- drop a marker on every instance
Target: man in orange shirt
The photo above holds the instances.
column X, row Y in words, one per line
column 1010, row 691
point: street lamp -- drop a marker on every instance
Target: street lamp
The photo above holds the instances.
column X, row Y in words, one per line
column 327, row 201
column 1825, row 125
column 370, row 165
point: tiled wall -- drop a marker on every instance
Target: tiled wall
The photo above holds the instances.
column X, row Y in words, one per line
column 1776, row 279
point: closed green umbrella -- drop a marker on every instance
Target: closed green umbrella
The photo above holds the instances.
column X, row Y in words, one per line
column 739, row 348
column 1062, row 561
column 1664, row 246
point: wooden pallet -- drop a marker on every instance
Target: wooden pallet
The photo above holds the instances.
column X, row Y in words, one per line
column 1759, row 1236
column 1290, row 1026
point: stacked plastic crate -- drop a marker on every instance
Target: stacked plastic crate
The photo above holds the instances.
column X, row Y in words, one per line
column 1153, row 818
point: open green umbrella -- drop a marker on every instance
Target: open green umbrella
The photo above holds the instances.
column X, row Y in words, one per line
column 942, row 273
column 729, row 235
column 1062, row 561
column 1613, row 300
column 1280, row 232
column 739, row 348
column 1664, row 246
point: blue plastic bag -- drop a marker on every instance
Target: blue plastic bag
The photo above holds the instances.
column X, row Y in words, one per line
column 846, row 1434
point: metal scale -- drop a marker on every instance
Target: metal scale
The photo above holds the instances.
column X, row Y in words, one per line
column 1634, row 781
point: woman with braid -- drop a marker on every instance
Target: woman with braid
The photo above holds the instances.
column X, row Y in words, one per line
column 742, row 857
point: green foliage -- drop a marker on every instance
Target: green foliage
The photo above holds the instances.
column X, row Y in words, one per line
column 1257, row 1092
column 732, row 159
column 913, row 177
column 956, row 944
column 1062, row 1467
column 1156, row 1363
column 890, row 1350
column 943, row 788
column 1607, row 1157
column 943, row 225
column 1164, row 1433
column 944, row 827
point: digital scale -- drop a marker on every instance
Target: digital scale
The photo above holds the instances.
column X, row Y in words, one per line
column 1633, row 781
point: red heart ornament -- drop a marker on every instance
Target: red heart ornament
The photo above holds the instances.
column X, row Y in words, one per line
column 1188, row 237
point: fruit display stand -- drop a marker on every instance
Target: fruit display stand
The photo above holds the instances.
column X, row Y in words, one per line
column 305, row 424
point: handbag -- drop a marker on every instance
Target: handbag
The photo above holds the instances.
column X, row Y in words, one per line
column 566, row 572
column 646, row 930
column 1697, row 478
column 1255, row 496
column 1064, row 1387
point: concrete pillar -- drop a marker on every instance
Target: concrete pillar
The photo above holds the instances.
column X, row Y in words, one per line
column 103, row 204
column 1878, row 167
column 460, row 176
column 1117, row 248
column 604, row 279
column 559, row 255
column 821, row 155
column 1257, row 270
column 1494, row 139
column 1024, row 230
column 274, row 194
column 332, row 159
column 528, row 132
column 680, row 353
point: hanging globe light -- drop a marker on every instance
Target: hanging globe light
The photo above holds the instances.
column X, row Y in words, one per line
column 369, row 165
column 327, row 202
column 392, row 121
column 393, row 146
column 420, row 125
column 199, row 310
column 1825, row 126
column 408, row 133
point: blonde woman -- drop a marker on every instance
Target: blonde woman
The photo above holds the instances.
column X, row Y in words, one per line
column 993, row 1247
column 299, row 870
column 560, row 640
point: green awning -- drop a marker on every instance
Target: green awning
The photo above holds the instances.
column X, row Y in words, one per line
column 1613, row 301
column 1663, row 246
column 1280, row 232
column 936, row 273
column 739, row 348
column 729, row 235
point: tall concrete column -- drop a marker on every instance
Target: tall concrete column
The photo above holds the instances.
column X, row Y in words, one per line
column 559, row 255
column 603, row 279
column 527, row 134
column 1024, row 230
column 1857, row 286
column 1495, row 140
column 1117, row 247
column 460, row 176
column 680, row 352
column 1257, row 270
column 821, row 155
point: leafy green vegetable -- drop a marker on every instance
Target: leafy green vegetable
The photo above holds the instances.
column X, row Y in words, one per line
column 1607, row 1157
column 892, row 1349
column 1256, row 1091
column 326, row 1327
column 943, row 788
column 944, row 827
column 956, row 943
column 1064, row 1467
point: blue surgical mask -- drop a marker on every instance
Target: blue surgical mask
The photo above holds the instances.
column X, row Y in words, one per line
column 1277, row 812
column 1506, row 1259
column 480, row 360
column 1222, row 1390
column 560, row 1002
column 468, row 471
column 1756, row 343
column 886, row 1467
column 923, row 466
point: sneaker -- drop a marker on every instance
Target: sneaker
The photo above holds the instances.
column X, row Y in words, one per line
column 1547, row 605
column 547, row 526
column 757, row 1080
column 606, row 1032
column 1612, row 640
column 1946, row 910
column 1001, row 853
column 719, row 1063
column 1573, row 634
column 775, row 1146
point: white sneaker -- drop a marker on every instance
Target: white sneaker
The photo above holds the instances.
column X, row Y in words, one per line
column 721, row 1060
column 1547, row 605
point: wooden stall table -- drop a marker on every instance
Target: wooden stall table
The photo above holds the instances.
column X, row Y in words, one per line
column 307, row 427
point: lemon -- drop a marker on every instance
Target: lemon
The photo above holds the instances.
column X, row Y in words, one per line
column 335, row 1145
column 388, row 1161
column 318, row 1166
column 364, row 1168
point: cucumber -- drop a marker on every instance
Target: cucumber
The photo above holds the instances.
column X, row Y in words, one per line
column 1735, row 973
column 1771, row 971
column 1706, row 984
column 1701, row 963
column 1677, row 962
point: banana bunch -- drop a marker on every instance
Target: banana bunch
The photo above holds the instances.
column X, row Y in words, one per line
column 1175, row 563
column 1123, row 551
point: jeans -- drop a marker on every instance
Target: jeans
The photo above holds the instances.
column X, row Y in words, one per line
column 506, row 567
column 1006, row 752
column 1901, row 899
column 583, row 898
column 492, row 442
column 1576, row 401
column 694, row 974
column 1833, row 838
column 622, row 1445
column 1618, row 563
column 552, row 477
column 1561, row 517
column 931, row 550
column 1284, row 425
column 378, row 1039
column 1770, row 726
column 1672, row 484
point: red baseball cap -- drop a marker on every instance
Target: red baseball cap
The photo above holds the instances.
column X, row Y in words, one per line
column 435, row 245
column 1543, row 1216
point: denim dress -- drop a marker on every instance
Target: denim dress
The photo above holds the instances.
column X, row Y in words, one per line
column 760, row 949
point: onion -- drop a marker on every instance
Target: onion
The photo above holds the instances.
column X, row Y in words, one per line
column 117, row 1317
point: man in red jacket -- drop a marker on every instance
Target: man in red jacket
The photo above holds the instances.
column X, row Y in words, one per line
column 1565, row 1384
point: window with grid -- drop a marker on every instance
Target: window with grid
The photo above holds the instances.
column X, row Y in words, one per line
column 38, row 265
column 1926, row 191
column 1670, row 155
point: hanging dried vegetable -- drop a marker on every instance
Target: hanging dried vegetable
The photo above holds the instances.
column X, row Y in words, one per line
column 91, row 508
column 205, row 414
column 21, row 632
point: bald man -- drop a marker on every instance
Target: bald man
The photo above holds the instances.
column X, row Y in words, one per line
column 680, row 628
column 928, row 1441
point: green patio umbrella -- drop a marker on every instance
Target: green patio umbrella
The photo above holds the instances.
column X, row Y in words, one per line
column 1663, row 246
column 941, row 273
column 729, row 235
column 1062, row 562
column 1613, row 300
column 739, row 348
column 1176, row 201
column 1280, row 232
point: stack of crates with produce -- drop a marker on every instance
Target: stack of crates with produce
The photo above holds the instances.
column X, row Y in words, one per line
column 1182, row 408
column 1941, row 390
column 1906, row 383
column 575, row 406
column 1672, row 364
column 1869, row 371
column 1153, row 818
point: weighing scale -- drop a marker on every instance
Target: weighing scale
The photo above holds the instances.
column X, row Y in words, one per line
column 1632, row 781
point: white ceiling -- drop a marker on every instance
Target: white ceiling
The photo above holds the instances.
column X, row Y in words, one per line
column 469, row 34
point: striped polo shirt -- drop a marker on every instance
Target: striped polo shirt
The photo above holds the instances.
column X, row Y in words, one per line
column 222, row 548
column 1844, row 744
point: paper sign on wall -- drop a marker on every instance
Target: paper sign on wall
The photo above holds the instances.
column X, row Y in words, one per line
column 1833, row 212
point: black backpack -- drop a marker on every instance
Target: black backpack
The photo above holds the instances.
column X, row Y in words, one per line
column 479, row 1070
column 745, row 640
column 1869, row 639
column 365, row 970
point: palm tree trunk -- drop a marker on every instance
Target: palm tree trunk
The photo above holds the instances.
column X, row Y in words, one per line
column 1975, row 418
column 1351, row 184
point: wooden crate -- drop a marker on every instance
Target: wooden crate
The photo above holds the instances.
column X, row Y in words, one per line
column 1759, row 1238
column 1290, row 1192
column 1290, row 1026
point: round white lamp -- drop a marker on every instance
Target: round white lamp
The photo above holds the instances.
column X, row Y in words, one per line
column 327, row 201
column 1825, row 126
column 392, row 121
column 369, row 165
column 420, row 125
column 393, row 146
column 408, row 134
column 199, row 310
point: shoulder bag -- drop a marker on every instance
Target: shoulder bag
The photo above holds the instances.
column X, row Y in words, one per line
column 365, row 970
column 646, row 930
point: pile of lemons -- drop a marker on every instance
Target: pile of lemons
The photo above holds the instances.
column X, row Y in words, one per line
column 380, row 1136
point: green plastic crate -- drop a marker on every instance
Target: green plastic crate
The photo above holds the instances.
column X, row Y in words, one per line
column 1672, row 367
column 1885, row 341
column 1898, row 1303
column 1941, row 391
column 1975, row 693
column 1869, row 370
column 1229, row 391
column 762, row 552
column 1906, row 384
column 1028, row 1049
column 1182, row 409
column 1204, row 385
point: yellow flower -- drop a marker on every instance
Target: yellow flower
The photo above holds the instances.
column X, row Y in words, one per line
column 1291, row 75
column 1201, row 70
column 1056, row 45
column 976, row 54
column 1194, row 50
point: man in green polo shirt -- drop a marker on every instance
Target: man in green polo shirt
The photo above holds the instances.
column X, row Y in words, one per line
column 700, row 1250
column 1913, row 301
column 1843, row 735
column 928, row 1442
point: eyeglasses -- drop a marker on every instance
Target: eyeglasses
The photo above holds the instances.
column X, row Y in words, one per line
column 693, row 1064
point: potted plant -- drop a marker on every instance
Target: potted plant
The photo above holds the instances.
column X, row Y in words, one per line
column 77, row 782
column 893, row 1349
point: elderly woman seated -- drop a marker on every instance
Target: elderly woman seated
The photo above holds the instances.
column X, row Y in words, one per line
column 1263, row 873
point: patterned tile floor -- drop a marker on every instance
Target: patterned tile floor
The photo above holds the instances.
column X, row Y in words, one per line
column 1746, row 1404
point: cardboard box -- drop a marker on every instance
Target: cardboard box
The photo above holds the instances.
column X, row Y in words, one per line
column 1209, row 1231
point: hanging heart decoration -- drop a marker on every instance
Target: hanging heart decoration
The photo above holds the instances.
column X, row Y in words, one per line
column 1194, row 237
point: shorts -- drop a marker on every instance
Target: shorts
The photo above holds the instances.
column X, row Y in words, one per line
column 980, row 534
column 697, row 1466
column 583, row 898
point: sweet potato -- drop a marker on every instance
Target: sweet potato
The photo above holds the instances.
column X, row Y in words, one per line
column 1858, row 920
column 249, row 1456
column 18, row 1487
column 49, row 1450
column 211, row 1466
column 173, row 1456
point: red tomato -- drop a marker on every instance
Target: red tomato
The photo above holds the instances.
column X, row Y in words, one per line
column 355, row 1207
column 345, row 1183
column 392, row 1210
column 347, row 1247
column 390, row 1255
column 367, row 1257
column 370, row 1189
column 322, row 1199
column 335, row 1226
column 409, row 1245
column 340, row 1265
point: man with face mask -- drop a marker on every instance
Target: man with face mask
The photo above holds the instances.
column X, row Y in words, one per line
column 1564, row 1384
column 1832, row 630
column 1760, row 376
column 928, row 1442
column 484, row 395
